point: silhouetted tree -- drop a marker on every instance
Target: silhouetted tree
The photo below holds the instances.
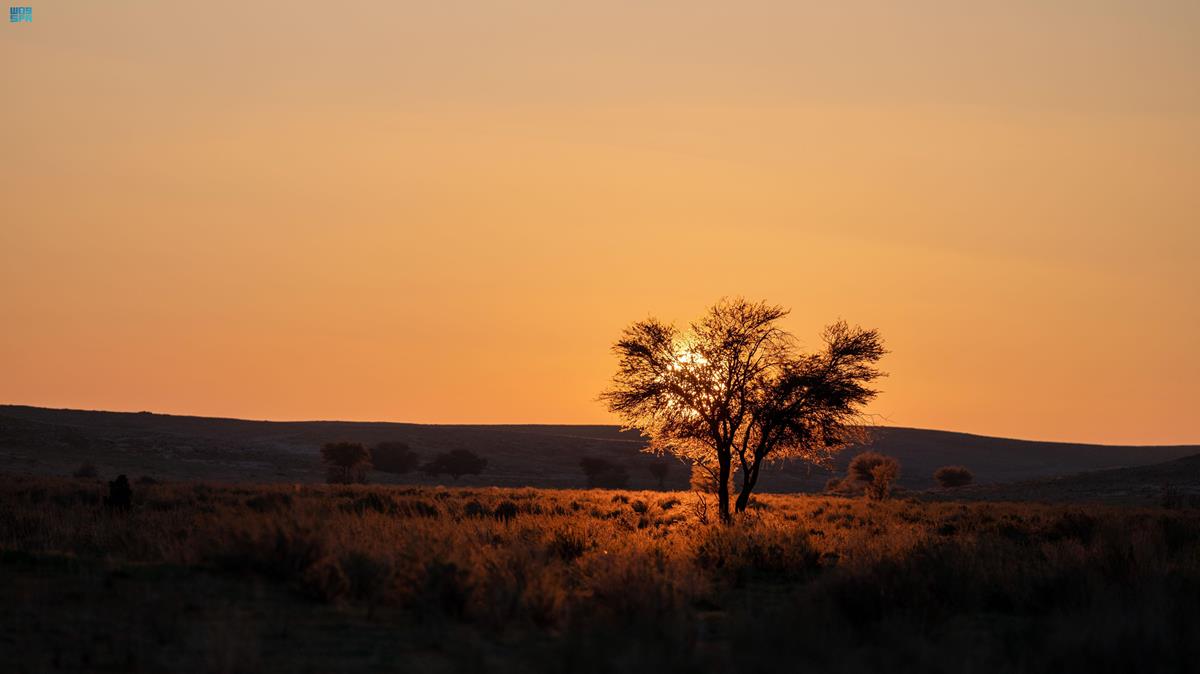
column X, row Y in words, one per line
column 861, row 466
column 875, row 472
column 953, row 476
column 882, row 478
column 346, row 462
column 736, row 390
column 455, row 463
column 659, row 468
column 603, row 473
column 394, row 457
column 120, row 496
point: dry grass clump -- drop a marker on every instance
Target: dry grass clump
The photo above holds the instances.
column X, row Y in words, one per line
column 808, row 576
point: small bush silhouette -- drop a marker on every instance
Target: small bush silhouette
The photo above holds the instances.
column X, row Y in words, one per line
column 953, row 476
column 505, row 511
column 603, row 474
column 455, row 463
column 120, row 496
column 86, row 470
column 346, row 462
column 875, row 472
column 394, row 457
column 474, row 509
column 882, row 477
column 862, row 465
column 568, row 545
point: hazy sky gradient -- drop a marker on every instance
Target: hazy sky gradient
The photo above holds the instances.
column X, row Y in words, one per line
column 446, row 212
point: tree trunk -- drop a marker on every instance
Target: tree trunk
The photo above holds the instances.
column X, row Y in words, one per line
column 748, row 481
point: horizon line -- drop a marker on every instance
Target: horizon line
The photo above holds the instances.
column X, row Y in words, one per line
column 548, row 424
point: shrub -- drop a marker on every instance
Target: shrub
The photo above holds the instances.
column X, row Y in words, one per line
column 394, row 457
column 875, row 472
column 953, row 476
column 346, row 462
column 603, row 474
column 505, row 511
column 455, row 463
column 568, row 544
column 861, row 466
column 86, row 470
column 882, row 477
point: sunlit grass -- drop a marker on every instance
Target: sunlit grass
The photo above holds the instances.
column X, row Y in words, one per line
column 645, row 564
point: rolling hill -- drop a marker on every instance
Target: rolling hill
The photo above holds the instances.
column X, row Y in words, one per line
column 55, row 442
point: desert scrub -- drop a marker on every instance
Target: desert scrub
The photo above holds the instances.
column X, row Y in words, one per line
column 573, row 562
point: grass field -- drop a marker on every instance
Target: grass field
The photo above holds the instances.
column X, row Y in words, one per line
column 199, row 577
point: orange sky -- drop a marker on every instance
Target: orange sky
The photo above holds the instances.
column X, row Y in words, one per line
column 447, row 213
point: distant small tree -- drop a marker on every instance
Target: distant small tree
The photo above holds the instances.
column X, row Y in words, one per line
column 875, row 472
column 953, row 476
column 394, row 457
column 659, row 468
column 603, row 474
column 455, row 463
column 862, row 465
column 346, row 462
column 882, row 477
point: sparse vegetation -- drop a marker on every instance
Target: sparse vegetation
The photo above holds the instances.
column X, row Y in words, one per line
column 522, row 578
column 953, row 476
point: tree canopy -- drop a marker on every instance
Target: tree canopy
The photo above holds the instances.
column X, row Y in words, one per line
column 734, row 390
column 346, row 462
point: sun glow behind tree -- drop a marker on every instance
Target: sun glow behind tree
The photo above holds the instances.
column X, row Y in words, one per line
column 734, row 391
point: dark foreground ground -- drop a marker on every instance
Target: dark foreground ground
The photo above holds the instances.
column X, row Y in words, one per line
column 206, row 578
